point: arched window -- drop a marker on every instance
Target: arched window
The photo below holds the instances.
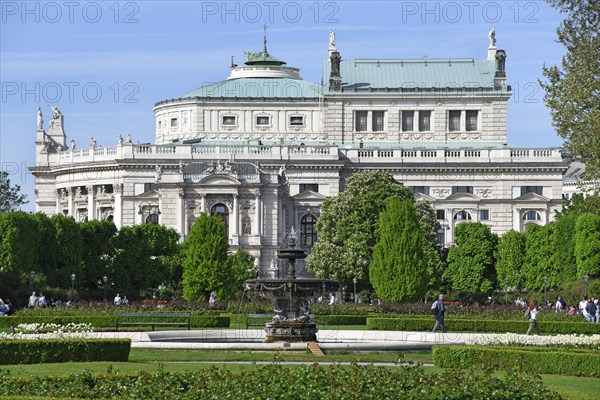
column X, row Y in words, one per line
column 307, row 230
column 222, row 211
column 152, row 218
column 532, row 216
column 462, row 216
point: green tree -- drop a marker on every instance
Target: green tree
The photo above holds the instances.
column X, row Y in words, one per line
column 10, row 198
column 539, row 251
column 431, row 248
column 564, row 245
column 587, row 245
column 573, row 90
column 347, row 226
column 19, row 242
column 69, row 252
column 398, row 271
column 242, row 268
column 98, row 251
column 471, row 261
column 206, row 267
column 510, row 256
column 137, row 268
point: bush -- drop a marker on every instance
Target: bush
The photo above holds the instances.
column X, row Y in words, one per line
column 63, row 350
column 341, row 319
column 272, row 381
column 476, row 325
column 539, row 359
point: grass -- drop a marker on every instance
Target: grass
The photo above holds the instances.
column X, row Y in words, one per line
column 570, row 387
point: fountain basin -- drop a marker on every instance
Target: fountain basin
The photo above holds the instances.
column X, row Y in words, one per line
column 291, row 298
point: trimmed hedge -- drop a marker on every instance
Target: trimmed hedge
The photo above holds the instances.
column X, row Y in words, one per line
column 544, row 360
column 341, row 319
column 99, row 322
column 63, row 350
column 473, row 325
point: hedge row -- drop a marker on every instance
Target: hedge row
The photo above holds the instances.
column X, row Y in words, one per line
column 342, row 319
column 544, row 360
column 472, row 325
column 100, row 322
column 63, row 350
column 272, row 381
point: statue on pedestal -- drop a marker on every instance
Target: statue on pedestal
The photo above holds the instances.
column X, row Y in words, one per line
column 40, row 120
column 492, row 36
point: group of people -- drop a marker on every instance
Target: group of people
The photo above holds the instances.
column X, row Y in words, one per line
column 37, row 301
column 118, row 300
column 590, row 309
column 6, row 308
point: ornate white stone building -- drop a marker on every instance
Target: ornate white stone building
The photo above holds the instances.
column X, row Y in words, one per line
column 264, row 148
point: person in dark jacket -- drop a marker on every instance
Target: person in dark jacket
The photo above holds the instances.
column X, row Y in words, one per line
column 439, row 313
column 591, row 310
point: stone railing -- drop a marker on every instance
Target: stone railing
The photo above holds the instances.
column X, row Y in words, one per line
column 196, row 151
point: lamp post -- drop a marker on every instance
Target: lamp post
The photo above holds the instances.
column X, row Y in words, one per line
column 73, row 281
column 32, row 275
column 506, row 290
column 354, row 280
column 153, row 211
column 105, row 279
column 586, row 279
column 545, row 278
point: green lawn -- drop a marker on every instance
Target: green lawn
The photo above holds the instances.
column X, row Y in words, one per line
column 572, row 388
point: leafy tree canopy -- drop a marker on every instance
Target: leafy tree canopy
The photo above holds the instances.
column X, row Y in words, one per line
column 573, row 89
column 10, row 198
column 510, row 255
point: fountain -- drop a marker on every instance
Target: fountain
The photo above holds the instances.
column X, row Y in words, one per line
column 291, row 297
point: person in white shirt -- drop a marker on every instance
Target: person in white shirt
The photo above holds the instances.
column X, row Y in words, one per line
column 42, row 300
column 33, row 300
column 117, row 300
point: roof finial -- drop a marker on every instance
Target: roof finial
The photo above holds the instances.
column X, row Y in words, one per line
column 265, row 40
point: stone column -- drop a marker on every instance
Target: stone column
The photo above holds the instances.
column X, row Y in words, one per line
column 70, row 202
column 257, row 214
column 236, row 215
column 91, row 205
column 58, row 197
column 203, row 203
column 517, row 219
column 181, row 213
column 118, row 211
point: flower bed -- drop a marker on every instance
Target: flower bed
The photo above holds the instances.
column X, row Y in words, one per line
column 512, row 339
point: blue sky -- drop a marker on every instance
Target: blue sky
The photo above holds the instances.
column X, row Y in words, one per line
column 105, row 63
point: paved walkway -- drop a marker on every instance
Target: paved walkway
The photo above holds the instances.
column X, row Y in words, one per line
column 253, row 339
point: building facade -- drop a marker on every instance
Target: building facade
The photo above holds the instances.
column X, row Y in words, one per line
column 263, row 148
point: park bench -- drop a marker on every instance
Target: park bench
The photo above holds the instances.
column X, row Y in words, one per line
column 154, row 319
column 261, row 319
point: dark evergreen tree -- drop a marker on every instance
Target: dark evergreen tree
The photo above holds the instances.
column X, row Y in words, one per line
column 10, row 198
column 98, row 252
column 398, row 271
column 69, row 253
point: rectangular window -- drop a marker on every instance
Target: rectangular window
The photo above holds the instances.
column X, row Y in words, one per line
column 360, row 121
column 532, row 189
column 454, row 120
column 173, row 122
column 149, row 186
column 228, row 120
column 408, row 121
column 313, row 187
column 297, row 121
column 462, row 189
column 471, row 120
column 263, row 120
column 440, row 214
column 424, row 121
column 419, row 189
column 484, row 215
column 378, row 121
column 159, row 125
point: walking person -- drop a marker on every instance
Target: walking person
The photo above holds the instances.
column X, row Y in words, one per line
column 533, row 312
column 439, row 309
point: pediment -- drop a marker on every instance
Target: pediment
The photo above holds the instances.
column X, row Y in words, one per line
column 149, row 195
column 308, row 195
column 532, row 197
column 220, row 180
column 424, row 197
column 463, row 197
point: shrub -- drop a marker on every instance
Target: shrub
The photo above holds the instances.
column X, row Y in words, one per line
column 63, row 350
column 539, row 359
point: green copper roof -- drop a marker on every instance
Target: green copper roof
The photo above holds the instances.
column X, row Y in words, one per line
column 426, row 73
column 262, row 58
column 258, row 88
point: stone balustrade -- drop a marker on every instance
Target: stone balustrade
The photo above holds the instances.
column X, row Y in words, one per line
column 178, row 152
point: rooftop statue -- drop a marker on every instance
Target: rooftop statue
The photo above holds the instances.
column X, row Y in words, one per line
column 331, row 39
column 40, row 119
column 492, row 36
